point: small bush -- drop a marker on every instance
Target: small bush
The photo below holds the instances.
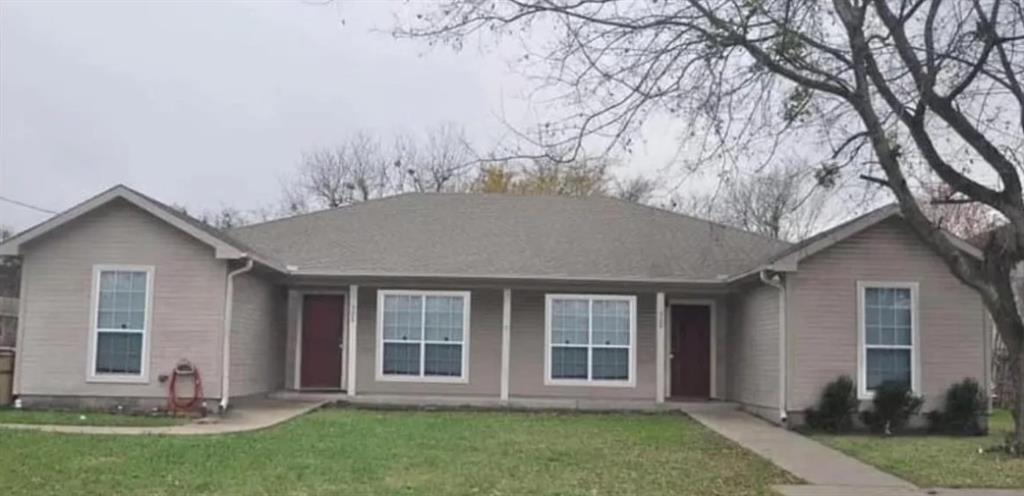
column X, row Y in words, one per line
column 964, row 406
column 893, row 405
column 836, row 408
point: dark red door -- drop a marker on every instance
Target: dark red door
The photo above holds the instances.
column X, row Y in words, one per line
column 691, row 351
column 322, row 339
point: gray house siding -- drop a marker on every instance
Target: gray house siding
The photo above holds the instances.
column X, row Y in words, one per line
column 526, row 371
column 753, row 369
column 257, row 336
column 823, row 313
column 187, row 313
column 484, row 350
column 526, row 368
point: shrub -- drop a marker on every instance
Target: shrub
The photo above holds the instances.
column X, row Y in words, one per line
column 893, row 405
column 964, row 406
column 836, row 408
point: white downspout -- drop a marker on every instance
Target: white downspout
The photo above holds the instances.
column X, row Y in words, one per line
column 225, row 360
column 778, row 282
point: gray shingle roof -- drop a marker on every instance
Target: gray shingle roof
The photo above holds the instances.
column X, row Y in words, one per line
column 486, row 235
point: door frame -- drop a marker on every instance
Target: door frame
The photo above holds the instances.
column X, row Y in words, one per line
column 298, row 333
column 712, row 348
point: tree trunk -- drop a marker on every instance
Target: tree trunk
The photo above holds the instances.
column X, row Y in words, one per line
column 1017, row 405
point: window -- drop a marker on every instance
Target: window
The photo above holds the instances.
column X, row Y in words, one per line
column 590, row 340
column 422, row 335
column 888, row 335
column 120, row 323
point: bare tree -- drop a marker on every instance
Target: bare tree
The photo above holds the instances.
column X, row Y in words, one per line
column 354, row 171
column 226, row 217
column 877, row 88
column 784, row 203
column 362, row 168
column 637, row 189
column 439, row 163
column 6, row 232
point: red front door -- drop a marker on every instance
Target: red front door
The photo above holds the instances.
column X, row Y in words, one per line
column 691, row 351
column 322, row 341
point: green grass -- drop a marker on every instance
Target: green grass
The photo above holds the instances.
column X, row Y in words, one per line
column 12, row 416
column 939, row 461
column 362, row 452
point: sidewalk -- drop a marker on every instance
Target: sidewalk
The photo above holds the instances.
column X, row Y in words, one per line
column 247, row 414
column 826, row 471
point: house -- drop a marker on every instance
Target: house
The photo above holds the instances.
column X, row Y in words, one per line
column 487, row 299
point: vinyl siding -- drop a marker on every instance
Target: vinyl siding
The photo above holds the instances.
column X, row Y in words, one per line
column 187, row 313
column 823, row 313
column 754, row 347
column 484, row 349
column 527, row 352
column 526, row 371
column 257, row 336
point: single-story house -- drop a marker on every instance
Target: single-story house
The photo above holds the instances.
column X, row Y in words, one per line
column 496, row 299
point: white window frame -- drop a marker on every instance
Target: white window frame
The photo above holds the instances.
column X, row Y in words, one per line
column 915, row 337
column 143, row 376
column 589, row 381
column 466, row 303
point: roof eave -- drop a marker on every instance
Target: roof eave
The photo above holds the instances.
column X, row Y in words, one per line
column 222, row 249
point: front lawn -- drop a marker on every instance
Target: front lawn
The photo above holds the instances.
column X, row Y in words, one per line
column 939, row 461
column 362, row 452
column 12, row 416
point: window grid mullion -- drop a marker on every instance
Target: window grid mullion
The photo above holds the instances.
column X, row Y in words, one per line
column 423, row 335
column 590, row 339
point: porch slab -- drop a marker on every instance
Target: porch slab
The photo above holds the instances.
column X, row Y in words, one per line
column 245, row 414
column 490, row 402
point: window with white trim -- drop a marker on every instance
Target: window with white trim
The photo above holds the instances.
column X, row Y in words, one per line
column 423, row 334
column 120, row 321
column 590, row 339
column 888, row 321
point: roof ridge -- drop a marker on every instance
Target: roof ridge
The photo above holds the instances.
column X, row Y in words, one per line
column 327, row 210
column 701, row 219
column 601, row 196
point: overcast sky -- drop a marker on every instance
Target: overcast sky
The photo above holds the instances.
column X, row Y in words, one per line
column 207, row 104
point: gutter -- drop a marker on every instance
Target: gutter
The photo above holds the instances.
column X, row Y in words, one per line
column 776, row 281
column 229, row 297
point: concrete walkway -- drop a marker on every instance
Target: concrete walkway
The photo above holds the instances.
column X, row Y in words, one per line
column 888, row 491
column 827, row 471
column 800, row 456
column 248, row 414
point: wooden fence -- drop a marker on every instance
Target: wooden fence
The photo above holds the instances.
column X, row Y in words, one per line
column 8, row 320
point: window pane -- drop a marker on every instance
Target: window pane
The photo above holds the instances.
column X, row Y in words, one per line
column 611, row 364
column 444, row 318
column 611, row 323
column 106, row 300
column 887, row 365
column 569, row 321
column 138, row 282
column 443, row 360
column 122, row 300
column 903, row 317
column 402, row 358
column 108, row 280
column 901, row 298
column 568, row 363
column 873, row 335
column 403, row 318
column 123, row 281
column 105, row 319
column 118, row 353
